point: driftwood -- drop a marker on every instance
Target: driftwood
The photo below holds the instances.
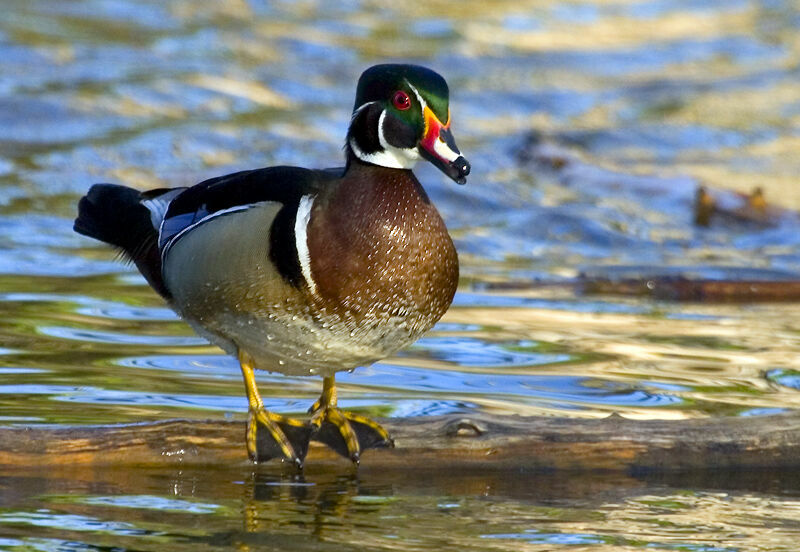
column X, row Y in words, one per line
column 454, row 442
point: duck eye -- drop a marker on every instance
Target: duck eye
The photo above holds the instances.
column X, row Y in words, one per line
column 401, row 100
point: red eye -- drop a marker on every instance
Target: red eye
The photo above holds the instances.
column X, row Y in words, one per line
column 401, row 100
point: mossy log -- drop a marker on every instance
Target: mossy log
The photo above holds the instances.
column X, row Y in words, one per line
column 457, row 441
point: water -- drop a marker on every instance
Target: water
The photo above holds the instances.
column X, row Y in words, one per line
column 226, row 509
column 645, row 100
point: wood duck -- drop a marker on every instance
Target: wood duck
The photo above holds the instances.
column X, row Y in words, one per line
column 303, row 271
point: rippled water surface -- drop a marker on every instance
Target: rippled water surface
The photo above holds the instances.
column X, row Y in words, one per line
column 589, row 126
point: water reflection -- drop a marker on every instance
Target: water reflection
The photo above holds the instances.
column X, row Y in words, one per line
column 264, row 509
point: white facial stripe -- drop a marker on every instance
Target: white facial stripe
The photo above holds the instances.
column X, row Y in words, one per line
column 357, row 111
column 422, row 103
column 301, row 240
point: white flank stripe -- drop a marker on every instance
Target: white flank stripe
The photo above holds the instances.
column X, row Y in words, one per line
column 301, row 240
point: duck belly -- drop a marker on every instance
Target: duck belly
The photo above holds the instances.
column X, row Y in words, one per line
column 299, row 344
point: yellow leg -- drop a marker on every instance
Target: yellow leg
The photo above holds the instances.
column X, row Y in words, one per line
column 275, row 424
column 354, row 432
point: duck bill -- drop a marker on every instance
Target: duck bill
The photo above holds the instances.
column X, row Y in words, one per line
column 439, row 147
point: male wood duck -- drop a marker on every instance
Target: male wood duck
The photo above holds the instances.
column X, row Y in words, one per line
column 303, row 271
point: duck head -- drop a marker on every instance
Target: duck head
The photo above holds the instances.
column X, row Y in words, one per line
column 402, row 113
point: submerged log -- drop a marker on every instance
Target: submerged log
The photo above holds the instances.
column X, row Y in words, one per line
column 474, row 441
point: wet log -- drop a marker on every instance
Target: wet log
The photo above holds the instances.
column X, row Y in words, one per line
column 474, row 441
column 670, row 288
column 706, row 291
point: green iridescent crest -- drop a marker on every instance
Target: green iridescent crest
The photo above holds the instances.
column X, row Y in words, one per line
column 379, row 82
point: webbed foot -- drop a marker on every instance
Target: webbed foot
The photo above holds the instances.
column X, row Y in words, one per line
column 346, row 433
column 271, row 435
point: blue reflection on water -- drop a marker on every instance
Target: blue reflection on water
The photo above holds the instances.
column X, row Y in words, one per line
column 95, row 395
column 467, row 351
column 762, row 411
column 410, row 390
column 92, row 306
column 153, row 502
column 72, row 522
column 98, row 336
column 535, row 537
column 206, row 366
column 8, row 371
column 471, row 385
column 471, row 299
column 121, row 311
column 412, row 408
column 788, row 378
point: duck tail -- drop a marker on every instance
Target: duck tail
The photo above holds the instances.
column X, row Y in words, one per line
column 118, row 216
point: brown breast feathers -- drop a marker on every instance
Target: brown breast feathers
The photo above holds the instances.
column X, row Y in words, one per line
column 378, row 247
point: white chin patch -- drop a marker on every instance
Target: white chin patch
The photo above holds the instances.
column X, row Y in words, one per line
column 392, row 157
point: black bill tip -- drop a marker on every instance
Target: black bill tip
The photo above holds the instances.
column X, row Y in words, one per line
column 461, row 168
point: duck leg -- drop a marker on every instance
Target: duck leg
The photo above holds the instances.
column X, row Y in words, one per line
column 346, row 433
column 271, row 435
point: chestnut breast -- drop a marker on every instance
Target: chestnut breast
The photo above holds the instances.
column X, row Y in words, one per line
column 380, row 251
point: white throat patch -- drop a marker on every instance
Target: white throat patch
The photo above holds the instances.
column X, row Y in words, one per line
column 391, row 156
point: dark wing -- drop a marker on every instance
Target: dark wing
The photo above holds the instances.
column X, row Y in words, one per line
column 225, row 195
column 236, row 191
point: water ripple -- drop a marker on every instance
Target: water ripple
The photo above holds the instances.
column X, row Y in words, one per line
column 118, row 338
column 470, row 386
